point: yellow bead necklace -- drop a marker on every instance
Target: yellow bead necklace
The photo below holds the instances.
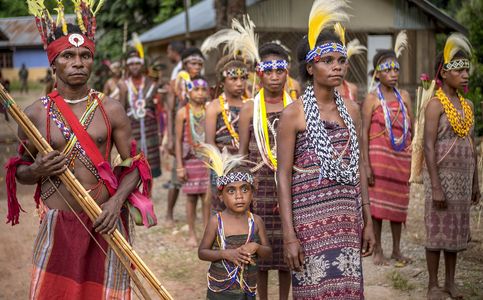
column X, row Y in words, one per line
column 460, row 126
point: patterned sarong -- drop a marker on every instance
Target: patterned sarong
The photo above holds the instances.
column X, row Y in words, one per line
column 448, row 229
column 390, row 194
column 327, row 219
column 68, row 263
column 152, row 141
column 265, row 203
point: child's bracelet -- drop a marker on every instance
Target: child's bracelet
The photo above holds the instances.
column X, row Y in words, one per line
column 291, row 242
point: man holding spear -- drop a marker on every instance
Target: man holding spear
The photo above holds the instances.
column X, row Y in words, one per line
column 71, row 259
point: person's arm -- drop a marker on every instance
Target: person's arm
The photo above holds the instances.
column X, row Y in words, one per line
column 264, row 250
column 475, row 195
column 210, row 122
column 122, row 136
column 432, row 114
column 367, row 109
column 107, row 87
column 205, row 252
column 368, row 237
column 50, row 164
column 122, row 94
column 171, row 113
column 407, row 102
column 286, row 134
column 180, row 170
column 246, row 114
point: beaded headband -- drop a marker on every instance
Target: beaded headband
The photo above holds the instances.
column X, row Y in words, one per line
column 457, row 64
column 388, row 65
column 135, row 60
column 324, row 49
column 233, row 177
column 194, row 58
column 190, row 85
column 235, row 72
column 269, row 65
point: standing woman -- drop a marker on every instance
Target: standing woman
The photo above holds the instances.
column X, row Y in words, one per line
column 258, row 123
column 450, row 175
column 222, row 114
column 322, row 185
column 386, row 144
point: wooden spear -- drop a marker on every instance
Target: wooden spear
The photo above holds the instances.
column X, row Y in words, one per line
column 116, row 240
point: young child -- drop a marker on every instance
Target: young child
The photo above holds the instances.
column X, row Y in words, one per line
column 191, row 170
column 234, row 237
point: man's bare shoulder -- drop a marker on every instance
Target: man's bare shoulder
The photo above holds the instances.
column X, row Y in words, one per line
column 113, row 107
column 35, row 110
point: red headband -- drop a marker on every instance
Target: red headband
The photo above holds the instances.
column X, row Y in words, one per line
column 69, row 41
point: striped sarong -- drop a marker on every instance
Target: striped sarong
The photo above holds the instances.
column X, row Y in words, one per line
column 151, row 139
column 390, row 194
column 68, row 263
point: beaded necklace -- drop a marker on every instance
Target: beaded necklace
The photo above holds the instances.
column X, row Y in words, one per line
column 234, row 273
column 227, row 119
column 460, row 126
column 398, row 144
column 193, row 121
column 261, row 127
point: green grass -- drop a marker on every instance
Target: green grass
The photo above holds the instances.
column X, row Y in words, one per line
column 399, row 282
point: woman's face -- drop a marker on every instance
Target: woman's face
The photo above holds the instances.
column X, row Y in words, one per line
column 457, row 79
column 235, row 86
column 273, row 80
column 193, row 67
column 199, row 94
column 328, row 70
column 388, row 77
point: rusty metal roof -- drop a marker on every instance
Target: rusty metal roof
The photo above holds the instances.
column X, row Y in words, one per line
column 22, row 32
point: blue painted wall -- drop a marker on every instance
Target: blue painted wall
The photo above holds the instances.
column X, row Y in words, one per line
column 32, row 58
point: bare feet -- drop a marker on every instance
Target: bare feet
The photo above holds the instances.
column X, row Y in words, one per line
column 169, row 223
column 401, row 260
column 379, row 259
column 454, row 292
column 435, row 293
column 192, row 241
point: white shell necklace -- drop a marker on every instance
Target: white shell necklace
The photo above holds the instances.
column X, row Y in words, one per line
column 76, row 100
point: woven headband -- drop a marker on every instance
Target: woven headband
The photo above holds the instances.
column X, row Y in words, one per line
column 194, row 58
column 457, row 64
column 235, row 72
column 190, row 85
column 135, row 60
column 388, row 66
column 269, row 65
column 233, row 177
column 324, row 49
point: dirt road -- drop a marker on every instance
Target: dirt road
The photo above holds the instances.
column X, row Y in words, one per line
column 184, row 275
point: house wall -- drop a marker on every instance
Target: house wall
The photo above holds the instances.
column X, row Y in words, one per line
column 35, row 74
column 33, row 58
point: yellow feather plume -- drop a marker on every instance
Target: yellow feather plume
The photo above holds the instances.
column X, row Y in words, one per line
column 98, row 7
column 220, row 162
column 138, row 45
column 401, row 43
column 340, row 31
column 323, row 14
column 354, row 47
column 36, row 7
column 456, row 42
column 61, row 16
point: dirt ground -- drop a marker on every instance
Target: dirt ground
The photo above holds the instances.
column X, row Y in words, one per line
column 177, row 266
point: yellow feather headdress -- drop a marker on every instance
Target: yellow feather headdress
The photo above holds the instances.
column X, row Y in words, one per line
column 354, row 47
column 138, row 45
column 220, row 162
column 340, row 31
column 456, row 42
column 401, row 43
column 325, row 13
column 241, row 39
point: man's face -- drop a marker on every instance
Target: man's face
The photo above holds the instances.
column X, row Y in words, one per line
column 135, row 69
column 73, row 66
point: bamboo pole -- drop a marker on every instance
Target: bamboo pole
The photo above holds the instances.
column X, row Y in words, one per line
column 119, row 244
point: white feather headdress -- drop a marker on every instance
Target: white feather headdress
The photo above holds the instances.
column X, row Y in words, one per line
column 354, row 47
column 241, row 39
column 220, row 162
column 401, row 43
column 456, row 42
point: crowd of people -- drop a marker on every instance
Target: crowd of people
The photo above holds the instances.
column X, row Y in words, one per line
column 292, row 176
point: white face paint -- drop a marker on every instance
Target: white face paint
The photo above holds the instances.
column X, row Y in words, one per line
column 76, row 40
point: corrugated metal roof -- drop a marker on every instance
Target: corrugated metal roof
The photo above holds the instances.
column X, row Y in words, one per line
column 22, row 31
column 201, row 17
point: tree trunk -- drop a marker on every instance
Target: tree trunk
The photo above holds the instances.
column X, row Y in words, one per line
column 226, row 10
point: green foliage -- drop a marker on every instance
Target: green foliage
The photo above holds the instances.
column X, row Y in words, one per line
column 17, row 8
column 400, row 282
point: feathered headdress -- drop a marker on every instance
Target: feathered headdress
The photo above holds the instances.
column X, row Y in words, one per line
column 138, row 45
column 222, row 163
column 323, row 14
column 354, row 47
column 401, row 43
column 456, row 42
column 241, row 39
column 85, row 10
column 340, row 31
